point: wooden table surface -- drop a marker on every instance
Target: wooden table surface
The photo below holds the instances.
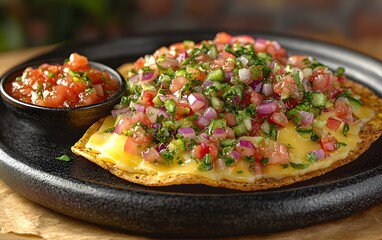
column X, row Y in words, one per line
column 368, row 223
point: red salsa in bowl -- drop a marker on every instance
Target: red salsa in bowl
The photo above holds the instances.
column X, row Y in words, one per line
column 75, row 83
column 57, row 95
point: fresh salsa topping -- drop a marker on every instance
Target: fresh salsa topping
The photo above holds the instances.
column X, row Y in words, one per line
column 225, row 100
column 73, row 84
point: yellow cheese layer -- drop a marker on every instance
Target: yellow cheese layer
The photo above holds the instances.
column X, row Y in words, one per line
column 110, row 146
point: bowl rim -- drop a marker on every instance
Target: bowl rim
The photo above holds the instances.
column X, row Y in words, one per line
column 21, row 67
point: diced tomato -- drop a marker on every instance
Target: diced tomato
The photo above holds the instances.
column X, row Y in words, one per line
column 333, row 123
column 288, row 87
column 132, row 147
column 245, row 151
column 243, row 39
column 320, row 82
column 77, row 61
column 177, row 83
column 343, row 110
column 329, row 143
column 256, row 126
column 201, row 150
column 276, row 153
column 297, row 60
column 231, row 119
column 139, row 63
column 251, row 98
column 177, row 47
column 57, row 98
column 182, row 110
column 222, row 38
column 147, row 98
column 279, row 118
column 198, row 75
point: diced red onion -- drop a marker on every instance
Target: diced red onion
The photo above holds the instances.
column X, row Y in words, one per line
column 153, row 113
column 243, row 59
column 115, row 112
column 272, row 65
column 235, row 155
column 267, row 89
column 156, row 126
column 220, row 133
column 320, row 153
column 245, row 76
column 203, row 121
column 261, row 40
column 202, row 138
column 121, row 125
column 147, row 76
column 245, row 148
column 210, row 113
column 325, row 110
column 163, row 98
column 221, row 163
column 228, row 76
column 168, row 63
column 207, row 83
column 182, row 56
column 139, row 108
column 267, row 108
column 161, row 147
column 134, row 78
column 187, row 132
column 196, row 101
column 257, row 86
column 276, row 45
column 150, row 155
column 235, row 100
column 307, row 118
column 307, row 85
column 246, row 144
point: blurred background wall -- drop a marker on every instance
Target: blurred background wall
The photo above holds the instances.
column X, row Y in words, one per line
column 26, row 23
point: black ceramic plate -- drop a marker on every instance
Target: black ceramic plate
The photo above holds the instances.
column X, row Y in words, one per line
column 83, row 190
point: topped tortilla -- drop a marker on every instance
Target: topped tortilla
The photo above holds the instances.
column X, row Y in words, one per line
column 234, row 112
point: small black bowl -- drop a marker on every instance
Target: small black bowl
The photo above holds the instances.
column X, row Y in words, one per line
column 53, row 120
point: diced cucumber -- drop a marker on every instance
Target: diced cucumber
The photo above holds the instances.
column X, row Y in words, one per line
column 177, row 145
column 354, row 103
column 216, row 75
column 213, row 52
column 170, row 105
column 216, row 103
column 157, row 101
column 228, row 142
column 318, row 99
column 240, row 130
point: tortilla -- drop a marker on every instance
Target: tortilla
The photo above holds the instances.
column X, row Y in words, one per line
column 368, row 134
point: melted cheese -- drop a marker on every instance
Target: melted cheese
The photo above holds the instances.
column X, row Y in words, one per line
column 110, row 148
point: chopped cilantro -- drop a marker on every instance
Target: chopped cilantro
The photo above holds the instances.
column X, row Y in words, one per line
column 240, row 172
column 299, row 165
column 345, row 129
column 312, row 157
column 264, row 160
column 64, row 157
column 109, row 130
column 285, row 165
column 206, row 164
